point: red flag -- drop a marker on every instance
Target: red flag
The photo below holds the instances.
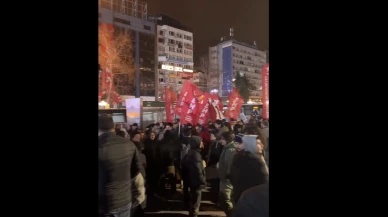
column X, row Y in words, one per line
column 203, row 109
column 265, row 90
column 234, row 105
column 182, row 98
column 216, row 107
column 170, row 97
column 187, row 104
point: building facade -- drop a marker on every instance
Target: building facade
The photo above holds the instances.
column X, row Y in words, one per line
column 174, row 54
column 231, row 57
column 200, row 79
column 130, row 17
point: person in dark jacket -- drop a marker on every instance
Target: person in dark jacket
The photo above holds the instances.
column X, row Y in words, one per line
column 253, row 202
column 118, row 163
column 152, row 170
column 194, row 175
column 213, row 157
column 244, row 163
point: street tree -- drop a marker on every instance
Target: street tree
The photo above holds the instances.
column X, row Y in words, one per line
column 243, row 86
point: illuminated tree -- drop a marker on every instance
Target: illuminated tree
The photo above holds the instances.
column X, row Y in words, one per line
column 116, row 51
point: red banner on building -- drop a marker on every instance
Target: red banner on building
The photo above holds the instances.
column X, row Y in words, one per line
column 234, row 105
column 265, row 90
column 170, row 97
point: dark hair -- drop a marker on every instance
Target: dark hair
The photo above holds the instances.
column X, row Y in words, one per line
column 121, row 133
column 135, row 125
column 133, row 134
column 227, row 136
column 169, row 124
column 105, row 122
column 186, row 132
column 219, row 122
column 227, row 124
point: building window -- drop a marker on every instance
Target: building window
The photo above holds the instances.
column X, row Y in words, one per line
column 147, row 27
column 171, row 41
column 188, row 37
column 160, row 40
column 161, row 32
column 172, row 49
column 171, row 33
column 119, row 20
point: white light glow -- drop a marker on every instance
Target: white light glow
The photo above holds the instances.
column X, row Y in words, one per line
column 187, row 70
column 172, row 68
column 102, row 103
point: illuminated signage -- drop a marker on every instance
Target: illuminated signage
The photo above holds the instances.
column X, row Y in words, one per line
column 187, row 70
column 172, row 68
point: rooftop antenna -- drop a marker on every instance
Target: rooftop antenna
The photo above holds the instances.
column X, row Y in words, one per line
column 254, row 43
column 231, row 32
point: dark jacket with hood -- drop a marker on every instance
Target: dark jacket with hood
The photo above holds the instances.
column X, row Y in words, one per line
column 193, row 172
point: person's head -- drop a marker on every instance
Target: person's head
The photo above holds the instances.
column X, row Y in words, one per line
column 105, row 123
column 118, row 127
column 134, row 126
column 259, row 144
column 198, row 128
column 135, row 137
column 186, row 132
column 156, row 125
column 142, row 135
column 195, row 142
column 227, row 124
column 239, row 142
column 218, row 124
column 121, row 133
column 152, row 135
column 250, row 143
column 237, row 128
column 175, row 125
column 226, row 137
column 169, row 126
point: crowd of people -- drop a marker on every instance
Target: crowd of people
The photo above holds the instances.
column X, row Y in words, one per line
column 232, row 158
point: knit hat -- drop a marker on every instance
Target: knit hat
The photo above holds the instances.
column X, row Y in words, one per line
column 238, row 138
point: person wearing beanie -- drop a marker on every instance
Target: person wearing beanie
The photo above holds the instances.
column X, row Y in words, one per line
column 244, row 162
column 193, row 175
column 239, row 142
column 118, row 164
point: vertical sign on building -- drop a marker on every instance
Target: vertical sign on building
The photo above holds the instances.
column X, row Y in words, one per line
column 265, row 85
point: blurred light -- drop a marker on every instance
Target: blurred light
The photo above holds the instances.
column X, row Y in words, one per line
column 102, row 103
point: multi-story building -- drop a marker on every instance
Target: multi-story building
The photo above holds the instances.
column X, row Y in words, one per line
column 230, row 57
column 175, row 54
column 130, row 16
column 200, row 79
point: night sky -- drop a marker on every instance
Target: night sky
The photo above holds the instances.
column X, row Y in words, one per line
column 211, row 19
